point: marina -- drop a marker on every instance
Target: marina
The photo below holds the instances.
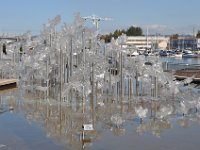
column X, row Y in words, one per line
column 66, row 91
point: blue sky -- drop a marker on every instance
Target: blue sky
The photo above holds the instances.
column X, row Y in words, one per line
column 161, row 16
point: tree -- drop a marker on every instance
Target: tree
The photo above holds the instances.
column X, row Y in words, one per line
column 134, row 31
column 198, row 34
column 106, row 38
column 4, row 49
column 118, row 33
column 174, row 37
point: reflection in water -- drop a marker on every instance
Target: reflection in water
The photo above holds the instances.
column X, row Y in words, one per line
column 63, row 121
column 180, row 60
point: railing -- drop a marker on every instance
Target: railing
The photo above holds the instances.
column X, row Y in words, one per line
column 180, row 66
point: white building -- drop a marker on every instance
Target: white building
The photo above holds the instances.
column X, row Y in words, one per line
column 150, row 42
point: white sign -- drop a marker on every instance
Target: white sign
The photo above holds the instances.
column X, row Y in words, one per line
column 88, row 127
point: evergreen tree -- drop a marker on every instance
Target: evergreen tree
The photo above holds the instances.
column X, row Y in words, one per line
column 134, row 31
column 198, row 34
column 174, row 37
column 117, row 33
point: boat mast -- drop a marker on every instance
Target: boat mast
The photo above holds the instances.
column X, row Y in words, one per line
column 147, row 40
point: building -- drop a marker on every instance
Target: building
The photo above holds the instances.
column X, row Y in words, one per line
column 148, row 42
column 184, row 42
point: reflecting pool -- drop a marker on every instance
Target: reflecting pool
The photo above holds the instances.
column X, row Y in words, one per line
column 28, row 124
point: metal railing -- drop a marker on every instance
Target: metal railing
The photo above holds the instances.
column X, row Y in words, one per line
column 180, row 66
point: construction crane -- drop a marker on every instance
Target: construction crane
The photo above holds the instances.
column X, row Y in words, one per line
column 95, row 19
